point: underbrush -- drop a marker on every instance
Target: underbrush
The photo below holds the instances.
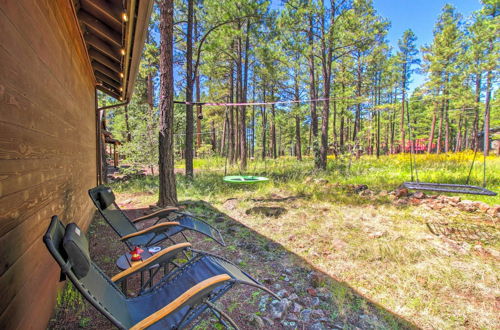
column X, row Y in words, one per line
column 386, row 173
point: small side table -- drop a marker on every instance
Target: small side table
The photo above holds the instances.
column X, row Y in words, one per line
column 124, row 262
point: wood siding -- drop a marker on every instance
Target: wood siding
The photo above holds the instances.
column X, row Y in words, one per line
column 47, row 149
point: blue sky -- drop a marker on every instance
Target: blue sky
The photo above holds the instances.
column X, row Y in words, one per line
column 420, row 16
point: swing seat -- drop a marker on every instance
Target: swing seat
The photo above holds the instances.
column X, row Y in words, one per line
column 244, row 179
column 449, row 188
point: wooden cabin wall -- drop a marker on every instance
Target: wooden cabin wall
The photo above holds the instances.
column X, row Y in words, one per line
column 47, row 150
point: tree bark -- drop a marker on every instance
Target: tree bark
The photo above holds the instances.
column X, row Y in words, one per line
column 167, row 189
column 298, row 144
column 189, row 93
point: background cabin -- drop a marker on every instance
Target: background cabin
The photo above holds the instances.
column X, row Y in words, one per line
column 54, row 56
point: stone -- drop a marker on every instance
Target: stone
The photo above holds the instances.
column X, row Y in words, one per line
column 277, row 286
column 318, row 314
column 256, row 321
column 289, row 324
column 230, row 203
column 315, row 301
column 383, row 193
column 419, row 195
column 494, row 211
column 268, row 321
column 317, row 326
column 297, row 308
column 305, row 315
column 483, row 207
column 278, row 308
column 467, row 206
column 321, row 181
column 293, row 297
column 308, row 180
column 366, row 193
column 401, row 192
column 282, row 293
column 292, row 317
column 377, row 234
column 263, row 303
column 220, row 219
column 312, row 292
column 360, row 187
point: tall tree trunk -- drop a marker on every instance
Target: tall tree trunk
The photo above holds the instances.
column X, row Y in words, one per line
column 298, row 143
column 440, row 129
column 214, row 137
column 489, row 77
column 199, row 114
column 357, row 119
column 433, row 127
column 264, row 124
column 189, row 93
column 403, row 104
column 127, row 125
column 475, row 125
column 273, row 127
column 232, row 126
column 167, row 189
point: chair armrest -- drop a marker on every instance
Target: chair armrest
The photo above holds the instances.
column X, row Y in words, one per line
column 146, row 263
column 180, row 301
column 160, row 214
column 153, row 229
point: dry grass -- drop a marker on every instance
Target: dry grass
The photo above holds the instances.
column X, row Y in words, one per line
column 384, row 251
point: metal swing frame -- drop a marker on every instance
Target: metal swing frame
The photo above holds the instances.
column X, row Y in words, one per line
column 444, row 187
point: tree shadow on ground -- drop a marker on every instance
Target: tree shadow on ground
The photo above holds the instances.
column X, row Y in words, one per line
column 312, row 299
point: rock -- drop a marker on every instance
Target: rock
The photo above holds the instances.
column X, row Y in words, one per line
column 494, row 211
column 293, row 297
column 401, row 192
column 263, row 303
column 268, row 321
column 415, row 201
column 230, row 203
column 256, row 321
column 377, row 234
column 383, row 193
column 312, row 292
column 366, row 193
column 360, row 187
column 317, row 326
column 282, row 293
column 318, row 314
column 277, row 286
column 315, row 301
column 467, row 206
column 297, row 308
column 401, row 202
column 419, row 195
column 279, row 308
column 220, row 219
column 483, row 207
column 289, row 324
column 305, row 315
column 318, row 279
column 321, row 181
column 435, row 206
column 308, row 180
column 454, row 199
column 292, row 317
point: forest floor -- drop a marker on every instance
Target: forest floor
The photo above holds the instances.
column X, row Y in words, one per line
column 342, row 247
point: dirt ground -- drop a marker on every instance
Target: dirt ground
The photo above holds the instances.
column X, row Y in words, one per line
column 311, row 298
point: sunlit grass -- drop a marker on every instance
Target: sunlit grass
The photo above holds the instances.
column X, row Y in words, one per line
column 407, row 270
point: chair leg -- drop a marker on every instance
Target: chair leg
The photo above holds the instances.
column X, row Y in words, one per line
column 218, row 313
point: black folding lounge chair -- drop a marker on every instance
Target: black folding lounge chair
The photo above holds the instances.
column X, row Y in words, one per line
column 173, row 303
column 104, row 200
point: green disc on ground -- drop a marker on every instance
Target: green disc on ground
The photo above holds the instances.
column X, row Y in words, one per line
column 244, row 179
